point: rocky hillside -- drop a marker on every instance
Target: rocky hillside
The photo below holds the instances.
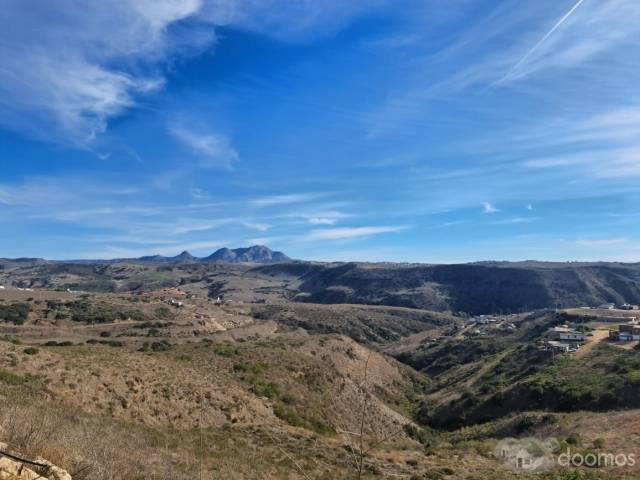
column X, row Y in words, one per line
column 470, row 288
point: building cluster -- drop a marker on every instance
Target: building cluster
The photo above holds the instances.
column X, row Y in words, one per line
column 483, row 319
column 494, row 323
column 621, row 306
column 563, row 339
column 627, row 332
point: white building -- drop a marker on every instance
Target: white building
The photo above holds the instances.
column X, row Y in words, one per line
column 629, row 332
column 567, row 334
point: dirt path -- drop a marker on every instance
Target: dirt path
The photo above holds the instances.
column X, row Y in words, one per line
column 598, row 336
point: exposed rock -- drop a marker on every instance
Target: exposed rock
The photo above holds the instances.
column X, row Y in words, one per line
column 12, row 469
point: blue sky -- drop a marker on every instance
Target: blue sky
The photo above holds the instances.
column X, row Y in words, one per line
column 432, row 131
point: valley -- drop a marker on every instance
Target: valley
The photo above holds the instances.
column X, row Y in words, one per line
column 297, row 370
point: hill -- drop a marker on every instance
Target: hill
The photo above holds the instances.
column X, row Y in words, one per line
column 468, row 288
column 163, row 382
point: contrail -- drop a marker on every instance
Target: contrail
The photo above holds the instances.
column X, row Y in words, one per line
column 542, row 40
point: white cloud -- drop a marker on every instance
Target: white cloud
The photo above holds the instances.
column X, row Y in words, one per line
column 70, row 66
column 602, row 242
column 63, row 72
column 212, row 149
column 488, row 208
column 285, row 199
column 322, row 218
column 540, row 42
column 501, row 49
column 287, row 20
column 604, row 163
column 261, row 227
column 350, row 232
column 515, row 221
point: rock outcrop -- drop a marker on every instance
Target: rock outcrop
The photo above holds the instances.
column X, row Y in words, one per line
column 11, row 468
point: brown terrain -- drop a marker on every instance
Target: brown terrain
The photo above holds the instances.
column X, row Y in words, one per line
column 219, row 369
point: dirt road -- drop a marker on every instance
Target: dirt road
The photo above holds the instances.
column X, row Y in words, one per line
column 598, row 336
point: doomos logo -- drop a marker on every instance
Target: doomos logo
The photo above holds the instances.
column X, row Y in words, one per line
column 528, row 454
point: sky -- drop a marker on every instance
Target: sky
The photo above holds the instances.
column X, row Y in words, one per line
column 433, row 131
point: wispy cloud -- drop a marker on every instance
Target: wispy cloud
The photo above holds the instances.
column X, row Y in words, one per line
column 489, row 208
column 58, row 85
column 514, row 70
column 602, row 242
column 513, row 45
column 330, row 217
column 212, row 149
column 66, row 87
column 285, row 199
column 351, row 232
column 515, row 220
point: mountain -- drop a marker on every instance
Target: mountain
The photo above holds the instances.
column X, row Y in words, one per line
column 184, row 257
column 254, row 254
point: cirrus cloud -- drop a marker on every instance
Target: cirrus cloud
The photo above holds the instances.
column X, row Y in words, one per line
column 351, row 232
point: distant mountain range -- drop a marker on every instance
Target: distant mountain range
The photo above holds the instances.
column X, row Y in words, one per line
column 486, row 287
column 254, row 254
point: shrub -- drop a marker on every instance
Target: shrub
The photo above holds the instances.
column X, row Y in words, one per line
column 15, row 313
column 225, row 350
column 164, row 313
column 11, row 378
column 289, row 416
column 262, row 389
column 288, row 399
column 66, row 343
column 31, row 351
column 423, row 435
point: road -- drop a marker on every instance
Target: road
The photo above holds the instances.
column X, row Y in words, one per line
column 598, row 336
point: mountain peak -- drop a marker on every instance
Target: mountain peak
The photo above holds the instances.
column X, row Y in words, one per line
column 183, row 257
column 252, row 254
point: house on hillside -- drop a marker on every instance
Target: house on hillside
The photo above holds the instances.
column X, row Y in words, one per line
column 483, row 319
column 557, row 347
column 567, row 334
column 629, row 332
column 607, row 306
column 626, row 306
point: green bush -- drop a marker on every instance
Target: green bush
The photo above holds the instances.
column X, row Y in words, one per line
column 11, row 378
column 288, row 398
column 423, row 435
column 289, row 416
column 225, row 350
column 31, row 351
column 265, row 389
column 15, row 313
